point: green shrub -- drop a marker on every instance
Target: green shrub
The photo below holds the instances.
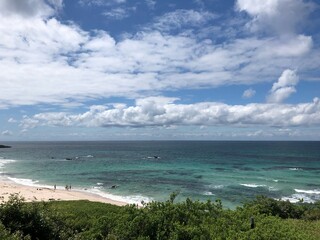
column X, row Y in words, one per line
column 269, row 206
column 187, row 220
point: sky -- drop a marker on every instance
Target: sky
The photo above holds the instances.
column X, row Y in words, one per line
column 159, row 70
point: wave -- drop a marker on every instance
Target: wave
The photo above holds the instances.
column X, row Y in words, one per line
column 216, row 186
column 208, row 194
column 252, row 185
column 308, row 196
column 295, row 169
column 4, row 161
column 133, row 199
column 294, row 198
column 26, row 182
column 315, row 191
column 273, row 189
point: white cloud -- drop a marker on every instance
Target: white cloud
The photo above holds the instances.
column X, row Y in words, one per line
column 47, row 61
column 249, row 93
column 26, row 8
column 101, row 2
column 287, row 78
column 182, row 18
column 294, row 46
column 24, row 131
column 280, row 16
column 6, row 133
column 164, row 112
column 12, row 120
column 28, row 122
column 118, row 13
column 284, row 87
column 151, row 3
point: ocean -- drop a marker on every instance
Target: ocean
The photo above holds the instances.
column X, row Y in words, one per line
column 135, row 171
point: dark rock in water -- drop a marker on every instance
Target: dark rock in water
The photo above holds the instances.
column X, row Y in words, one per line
column 114, row 186
column 69, row 159
column 4, row 146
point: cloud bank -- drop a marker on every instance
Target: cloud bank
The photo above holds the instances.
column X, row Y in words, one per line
column 164, row 112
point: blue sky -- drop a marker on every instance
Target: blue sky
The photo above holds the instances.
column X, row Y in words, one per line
column 159, row 70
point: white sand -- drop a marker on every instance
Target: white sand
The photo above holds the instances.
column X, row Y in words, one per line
column 46, row 194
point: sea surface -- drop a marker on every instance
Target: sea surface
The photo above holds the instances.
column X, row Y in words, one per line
column 136, row 171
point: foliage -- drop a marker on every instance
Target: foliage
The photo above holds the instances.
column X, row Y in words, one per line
column 158, row 220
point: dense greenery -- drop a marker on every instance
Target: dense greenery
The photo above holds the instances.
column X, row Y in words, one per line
column 158, row 220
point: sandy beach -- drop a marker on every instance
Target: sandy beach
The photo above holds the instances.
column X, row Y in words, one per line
column 48, row 194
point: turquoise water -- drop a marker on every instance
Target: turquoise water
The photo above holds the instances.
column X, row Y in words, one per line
column 143, row 171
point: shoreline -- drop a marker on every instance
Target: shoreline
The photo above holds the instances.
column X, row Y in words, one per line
column 38, row 194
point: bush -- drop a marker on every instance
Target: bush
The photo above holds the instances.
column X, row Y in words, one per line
column 31, row 219
column 272, row 207
column 186, row 220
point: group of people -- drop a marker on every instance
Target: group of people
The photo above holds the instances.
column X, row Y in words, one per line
column 67, row 187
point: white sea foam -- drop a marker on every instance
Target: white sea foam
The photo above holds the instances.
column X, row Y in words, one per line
column 24, row 181
column 295, row 169
column 309, row 196
column 208, row 193
column 99, row 184
column 216, row 186
column 4, row 161
column 294, row 198
column 252, row 185
column 273, row 189
column 134, row 199
column 315, row 191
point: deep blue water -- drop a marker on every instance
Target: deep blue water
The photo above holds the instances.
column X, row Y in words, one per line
column 151, row 170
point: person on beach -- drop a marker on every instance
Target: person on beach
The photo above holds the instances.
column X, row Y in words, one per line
column 54, row 187
column 67, row 187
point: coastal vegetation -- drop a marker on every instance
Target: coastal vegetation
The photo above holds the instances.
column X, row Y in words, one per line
column 262, row 218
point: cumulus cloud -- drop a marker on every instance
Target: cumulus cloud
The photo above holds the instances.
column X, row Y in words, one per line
column 280, row 16
column 284, row 87
column 249, row 93
column 165, row 112
column 47, row 61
